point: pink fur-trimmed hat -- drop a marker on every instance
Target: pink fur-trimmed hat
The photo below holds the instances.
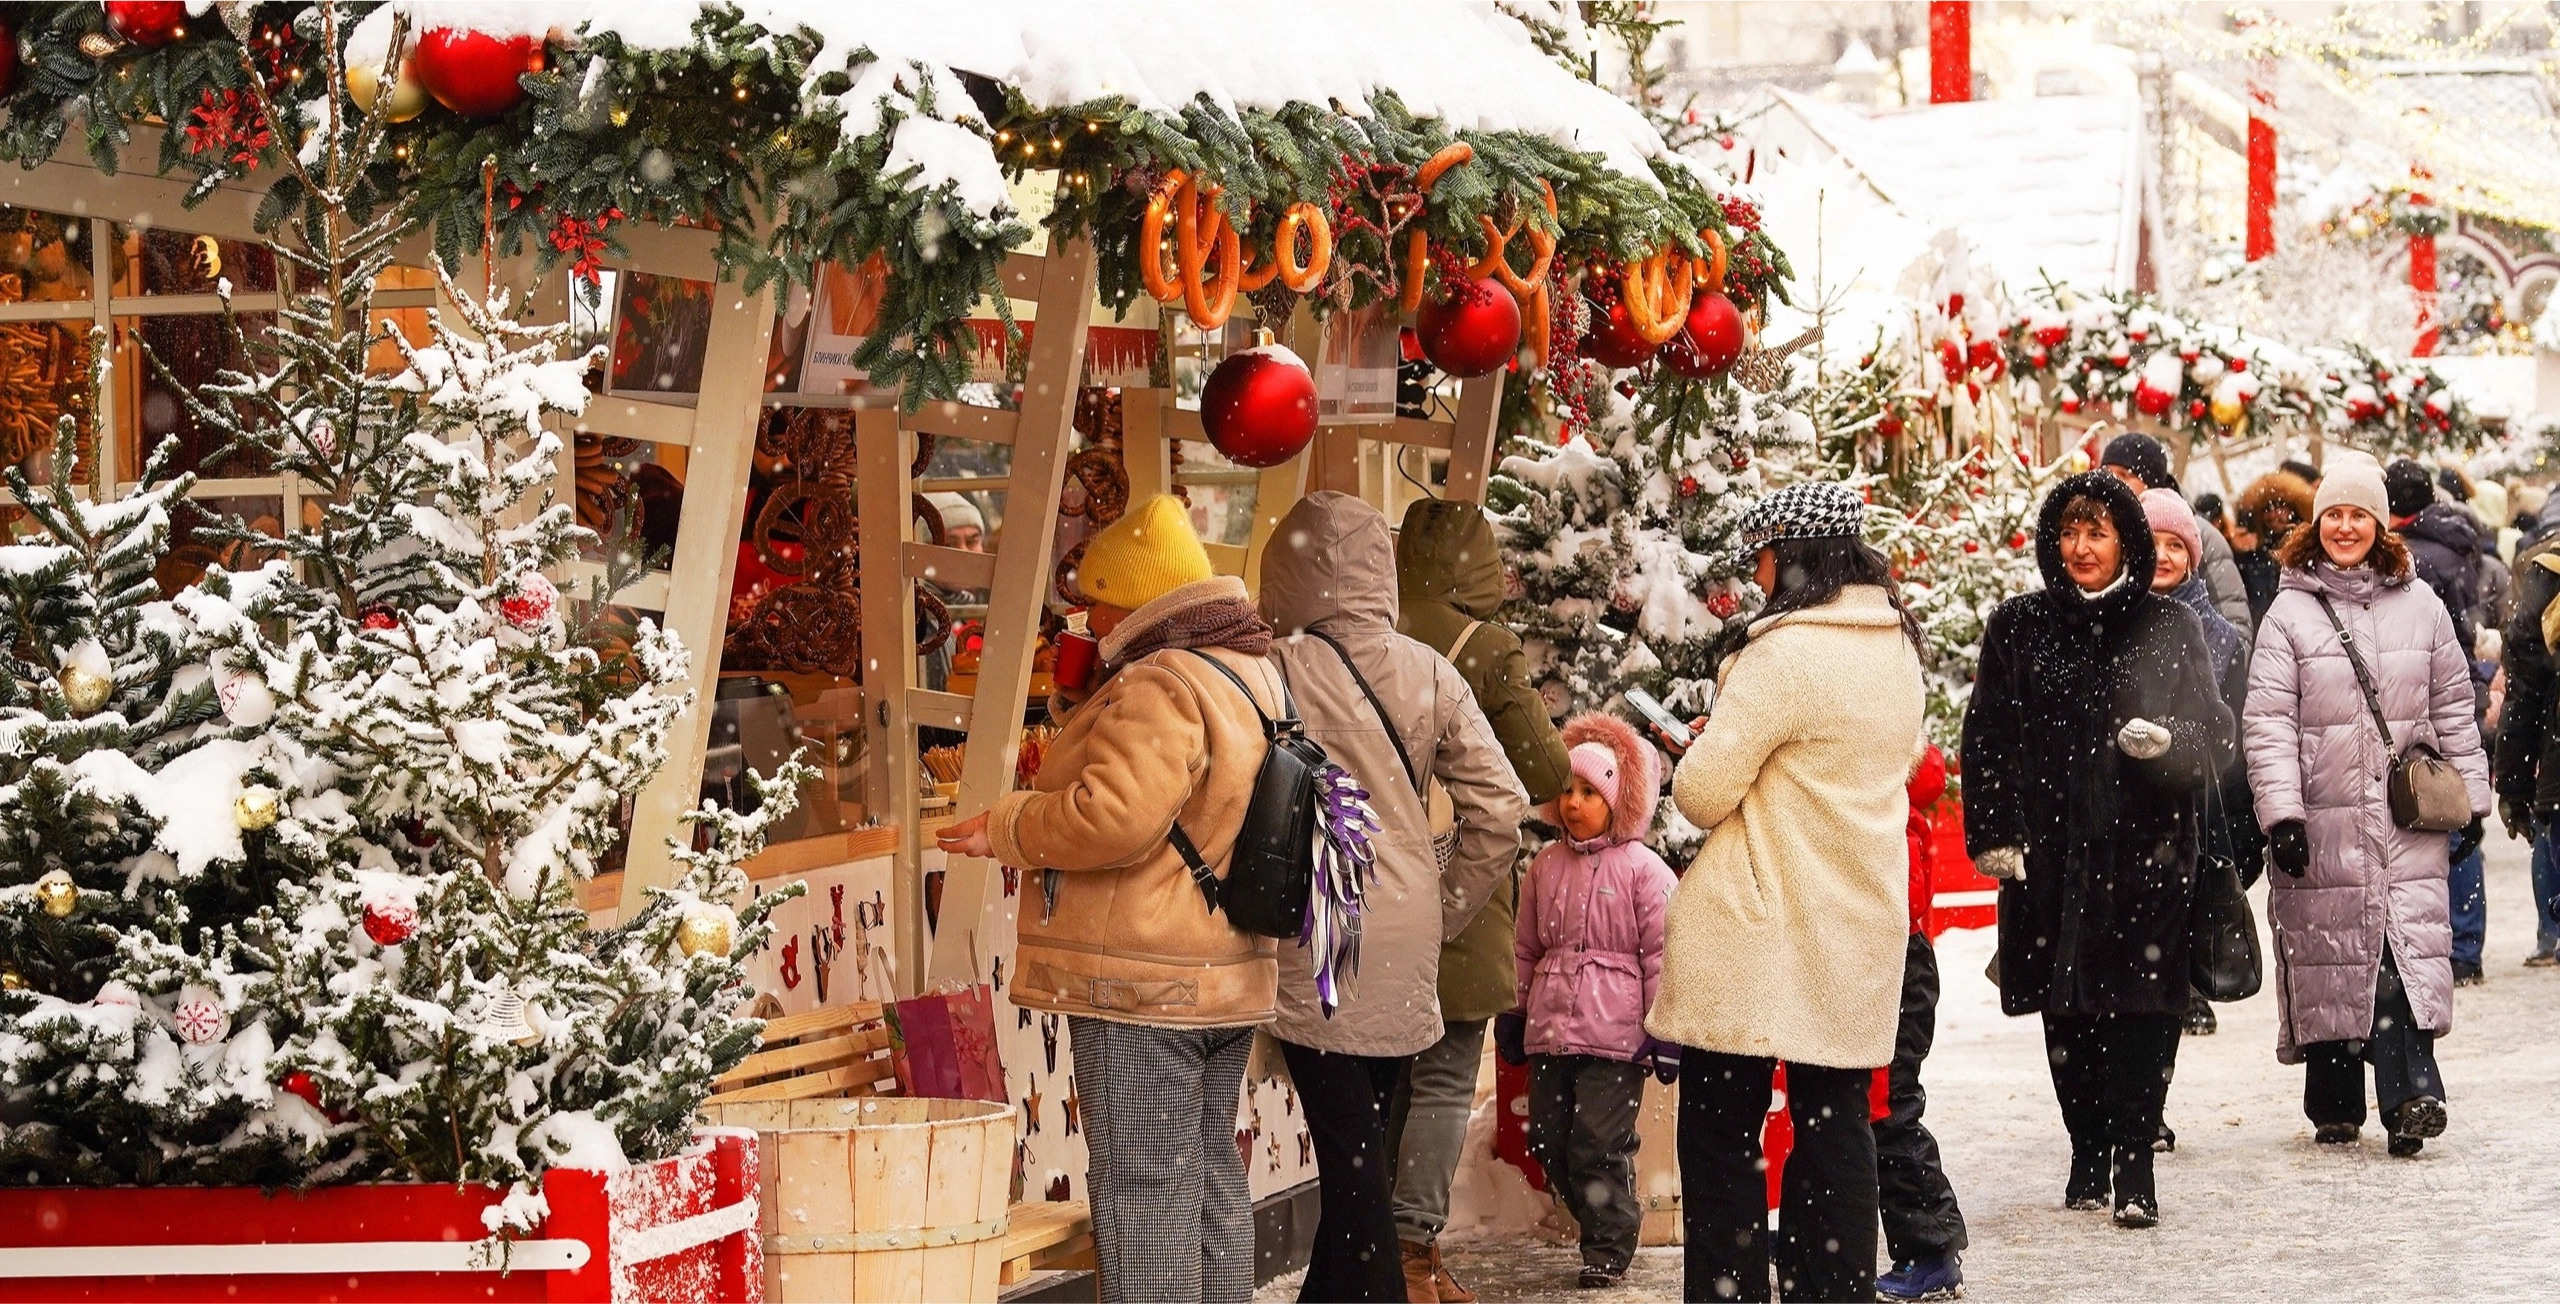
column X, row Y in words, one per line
column 1608, row 753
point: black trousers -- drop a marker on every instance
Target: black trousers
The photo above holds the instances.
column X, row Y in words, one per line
column 1826, row 1242
column 2111, row 1076
column 1582, row 1128
column 2403, row 1056
column 1921, row 1220
column 1346, row 1099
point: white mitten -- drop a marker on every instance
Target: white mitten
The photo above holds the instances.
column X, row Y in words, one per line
column 2003, row 862
column 2143, row 740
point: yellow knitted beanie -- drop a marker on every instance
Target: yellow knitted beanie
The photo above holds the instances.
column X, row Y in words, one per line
column 1143, row 556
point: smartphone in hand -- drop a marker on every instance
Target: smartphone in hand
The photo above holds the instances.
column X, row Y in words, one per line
column 1659, row 716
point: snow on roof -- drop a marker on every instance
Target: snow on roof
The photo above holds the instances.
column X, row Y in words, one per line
column 1468, row 64
column 2043, row 187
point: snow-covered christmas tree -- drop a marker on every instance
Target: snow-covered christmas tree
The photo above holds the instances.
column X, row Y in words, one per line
column 1620, row 540
column 323, row 820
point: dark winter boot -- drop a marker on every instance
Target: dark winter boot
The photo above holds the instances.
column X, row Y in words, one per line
column 2200, row 1020
column 2413, row 1123
column 2088, row 1188
column 2137, row 1204
column 2336, row 1134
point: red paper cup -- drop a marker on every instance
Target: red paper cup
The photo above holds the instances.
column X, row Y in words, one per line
column 1076, row 656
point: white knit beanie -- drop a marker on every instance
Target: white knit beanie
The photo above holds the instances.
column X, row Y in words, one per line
column 2352, row 478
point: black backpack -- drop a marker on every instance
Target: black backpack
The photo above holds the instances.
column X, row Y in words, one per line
column 1303, row 860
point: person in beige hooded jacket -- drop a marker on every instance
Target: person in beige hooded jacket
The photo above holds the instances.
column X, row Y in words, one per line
column 1329, row 591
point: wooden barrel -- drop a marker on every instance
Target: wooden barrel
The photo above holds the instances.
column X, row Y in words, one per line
column 880, row 1198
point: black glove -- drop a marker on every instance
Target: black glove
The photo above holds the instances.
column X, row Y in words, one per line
column 1663, row 1057
column 2468, row 840
column 2289, row 846
column 1511, row 1037
column 2517, row 815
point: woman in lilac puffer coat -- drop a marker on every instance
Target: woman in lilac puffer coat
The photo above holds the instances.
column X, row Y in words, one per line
column 2363, row 944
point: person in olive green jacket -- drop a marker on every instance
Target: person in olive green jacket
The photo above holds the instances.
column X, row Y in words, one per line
column 1449, row 577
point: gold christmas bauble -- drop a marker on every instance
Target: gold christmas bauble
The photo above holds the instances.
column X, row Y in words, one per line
column 257, row 808
column 707, row 928
column 2227, row 410
column 84, row 691
column 12, row 981
column 408, row 95
column 57, row 894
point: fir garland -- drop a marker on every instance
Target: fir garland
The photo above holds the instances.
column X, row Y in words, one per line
column 732, row 132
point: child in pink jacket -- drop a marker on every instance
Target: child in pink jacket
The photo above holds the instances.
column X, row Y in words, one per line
column 1589, row 947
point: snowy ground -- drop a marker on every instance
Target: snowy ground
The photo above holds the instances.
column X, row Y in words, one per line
column 2251, row 1209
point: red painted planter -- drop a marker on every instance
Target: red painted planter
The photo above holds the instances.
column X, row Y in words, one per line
column 682, row 1228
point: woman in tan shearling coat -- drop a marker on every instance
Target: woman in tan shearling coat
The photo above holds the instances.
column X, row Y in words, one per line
column 1784, row 942
column 1162, row 994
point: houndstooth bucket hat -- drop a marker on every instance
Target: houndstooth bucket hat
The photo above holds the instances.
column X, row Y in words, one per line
column 1810, row 509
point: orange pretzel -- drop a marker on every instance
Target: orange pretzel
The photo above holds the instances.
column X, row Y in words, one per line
column 1298, row 277
column 1657, row 294
column 1710, row 269
column 1207, row 303
column 1417, row 251
column 1497, row 264
column 1160, row 287
column 1536, row 323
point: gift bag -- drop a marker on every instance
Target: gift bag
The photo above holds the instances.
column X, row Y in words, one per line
column 943, row 1045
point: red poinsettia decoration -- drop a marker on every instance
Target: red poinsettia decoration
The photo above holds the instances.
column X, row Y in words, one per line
column 227, row 124
column 583, row 238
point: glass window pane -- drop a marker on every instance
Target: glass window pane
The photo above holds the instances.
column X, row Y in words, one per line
column 631, row 493
column 661, row 326
column 154, row 260
column 44, row 376
column 150, row 408
column 44, row 257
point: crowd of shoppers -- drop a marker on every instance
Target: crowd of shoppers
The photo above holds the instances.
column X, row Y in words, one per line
column 2196, row 693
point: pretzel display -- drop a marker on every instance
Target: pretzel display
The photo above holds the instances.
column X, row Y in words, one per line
column 1300, row 278
column 1201, row 232
column 1496, row 262
column 1710, row 269
column 1417, row 251
column 1656, row 291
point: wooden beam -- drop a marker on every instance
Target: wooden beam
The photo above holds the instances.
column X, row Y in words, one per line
column 883, row 452
column 697, row 609
column 950, row 567
column 974, row 920
column 658, row 423
column 947, row 420
column 1471, row 442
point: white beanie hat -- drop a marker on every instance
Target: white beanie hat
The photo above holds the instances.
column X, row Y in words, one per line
column 2353, row 479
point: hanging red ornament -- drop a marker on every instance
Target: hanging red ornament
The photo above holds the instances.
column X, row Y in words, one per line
column 1688, row 486
column 2152, row 400
column 379, row 618
column 1711, row 339
column 1889, row 425
column 2018, row 540
column 2038, row 358
column 1613, row 341
column 299, row 1083
column 1473, row 331
column 2195, row 409
column 1724, row 606
column 1259, row 407
column 2052, row 336
column 1741, row 459
column 418, row 834
column 390, row 923
column 473, row 73
column 1985, row 356
column 148, row 22
column 532, row 603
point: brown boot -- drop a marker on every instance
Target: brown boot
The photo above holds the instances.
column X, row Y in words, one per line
column 1421, row 1262
column 1450, row 1291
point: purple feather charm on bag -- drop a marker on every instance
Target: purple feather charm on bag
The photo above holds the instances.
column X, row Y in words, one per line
column 1345, row 865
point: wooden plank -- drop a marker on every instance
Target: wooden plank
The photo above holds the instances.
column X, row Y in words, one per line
column 1036, row 1227
column 827, row 850
column 1414, row 430
column 833, row 1082
column 973, row 925
column 1022, row 275
column 826, row 1018
column 948, row 420
column 1144, row 447
column 819, row 1168
column 882, row 454
column 658, row 423
column 1278, row 490
column 1471, row 446
column 951, row 1200
column 950, row 567
column 70, row 184
column 697, row 607
column 189, row 305
column 943, row 710
column 889, row 1193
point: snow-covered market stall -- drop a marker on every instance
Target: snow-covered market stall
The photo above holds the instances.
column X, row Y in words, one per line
column 525, row 521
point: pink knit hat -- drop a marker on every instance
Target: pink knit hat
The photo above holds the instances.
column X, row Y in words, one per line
column 1597, row 765
column 2169, row 514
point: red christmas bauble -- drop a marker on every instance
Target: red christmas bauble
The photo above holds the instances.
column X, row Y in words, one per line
column 2195, row 409
column 2153, row 401
column 1889, row 425
column 1710, row 340
column 8, row 57
column 146, row 22
column 532, row 603
column 1688, row 486
column 1473, row 331
column 299, row 1083
column 390, row 923
column 1724, row 606
column 380, row 618
column 2052, row 336
column 1259, row 407
column 1985, row 356
column 473, row 73
column 1612, row 341
column 2239, row 365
